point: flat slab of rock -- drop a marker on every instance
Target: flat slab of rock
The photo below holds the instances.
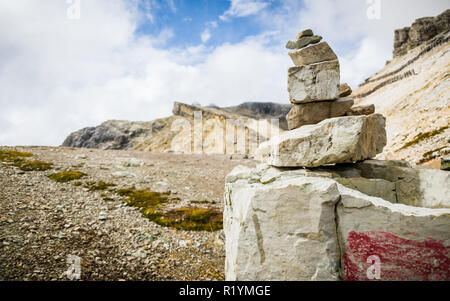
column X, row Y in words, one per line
column 283, row 230
column 345, row 90
column 315, row 112
column 305, row 33
column 361, row 110
column 313, row 54
column 401, row 242
column 337, row 140
column 303, row 42
column 314, row 82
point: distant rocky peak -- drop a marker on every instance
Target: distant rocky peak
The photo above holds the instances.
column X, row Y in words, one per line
column 421, row 31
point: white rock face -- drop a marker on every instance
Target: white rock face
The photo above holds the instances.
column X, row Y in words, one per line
column 411, row 243
column 313, row 54
column 283, row 230
column 336, row 140
column 314, row 82
column 434, row 188
column 300, row 224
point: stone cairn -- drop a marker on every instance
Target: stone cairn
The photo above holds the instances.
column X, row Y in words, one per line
column 317, row 96
column 317, row 209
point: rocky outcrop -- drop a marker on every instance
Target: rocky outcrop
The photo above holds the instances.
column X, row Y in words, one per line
column 421, row 31
column 113, row 134
column 336, row 140
column 412, row 92
column 302, row 224
column 175, row 133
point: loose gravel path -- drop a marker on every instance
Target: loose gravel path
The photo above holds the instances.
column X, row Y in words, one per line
column 43, row 222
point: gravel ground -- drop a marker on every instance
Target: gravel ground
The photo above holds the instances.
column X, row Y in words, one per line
column 43, row 222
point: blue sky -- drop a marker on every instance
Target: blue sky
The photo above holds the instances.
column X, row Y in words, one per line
column 131, row 59
column 188, row 19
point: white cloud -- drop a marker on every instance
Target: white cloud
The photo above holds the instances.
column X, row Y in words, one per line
column 205, row 36
column 59, row 75
column 243, row 8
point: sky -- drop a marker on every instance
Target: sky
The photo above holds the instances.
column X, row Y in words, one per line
column 70, row 64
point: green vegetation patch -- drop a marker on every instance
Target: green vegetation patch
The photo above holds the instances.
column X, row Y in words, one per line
column 423, row 136
column 203, row 202
column 99, row 186
column 17, row 159
column 143, row 198
column 67, row 176
column 189, row 219
column 11, row 156
column 27, row 165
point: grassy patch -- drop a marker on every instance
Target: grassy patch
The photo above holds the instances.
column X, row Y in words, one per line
column 27, row 165
column 189, row 219
column 203, row 202
column 423, row 136
column 99, row 186
column 18, row 160
column 427, row 154
column 67, row 176
column 10, row 156
column 107, row 198
column 143, row 198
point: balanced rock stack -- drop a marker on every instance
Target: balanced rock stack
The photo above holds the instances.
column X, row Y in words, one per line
column 317, row 136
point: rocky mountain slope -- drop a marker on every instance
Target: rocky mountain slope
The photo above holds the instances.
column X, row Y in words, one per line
column 413, row 92
column 176, row 133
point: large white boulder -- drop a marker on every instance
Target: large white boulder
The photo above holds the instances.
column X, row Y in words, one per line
column 282, row 230
column 314, row 82
column 300, row 224
column 337, row 140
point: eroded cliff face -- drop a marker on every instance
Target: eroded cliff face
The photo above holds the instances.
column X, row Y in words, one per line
column 231, row 130
column 421, row 31
column 413, row 92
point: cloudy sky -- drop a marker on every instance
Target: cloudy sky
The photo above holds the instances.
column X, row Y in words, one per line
column 68, row 64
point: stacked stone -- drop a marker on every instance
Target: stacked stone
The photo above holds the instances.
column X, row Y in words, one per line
column 324, row 126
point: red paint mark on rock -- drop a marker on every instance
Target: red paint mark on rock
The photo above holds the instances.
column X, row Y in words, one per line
column 401, row 259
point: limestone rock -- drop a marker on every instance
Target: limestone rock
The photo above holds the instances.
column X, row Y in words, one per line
column 344, row 90
column 445, row 163
column 410, row 243
column 361, row 110
column 336, row 140
column 313, row 54
column 305, row 33
column 314, row 82
column 421, row 31
column 372, row 187
column 315, row 112
column 284, row 230
column 303, row 42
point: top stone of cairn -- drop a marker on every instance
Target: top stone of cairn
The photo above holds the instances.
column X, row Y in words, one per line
column 304, row 38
